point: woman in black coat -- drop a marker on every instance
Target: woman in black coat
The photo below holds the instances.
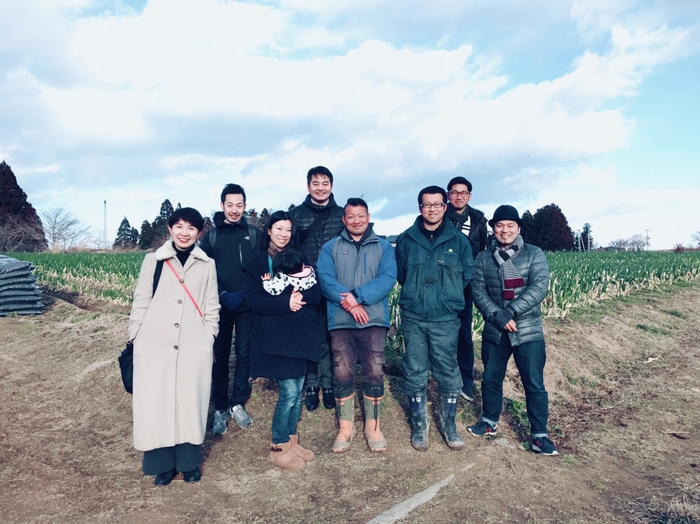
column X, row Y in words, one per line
column 285, row 336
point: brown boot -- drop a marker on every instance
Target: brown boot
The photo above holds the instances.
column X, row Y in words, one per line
column 375, row 439
column 284, row 457
column 304, row 453
column 345, row 410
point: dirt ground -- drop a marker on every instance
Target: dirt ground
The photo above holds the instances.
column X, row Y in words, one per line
column 624, row 387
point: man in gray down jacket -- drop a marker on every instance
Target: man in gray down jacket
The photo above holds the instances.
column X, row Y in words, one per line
column 434, row 263
column 318, row 220
column 357, row 271
column 510, row 281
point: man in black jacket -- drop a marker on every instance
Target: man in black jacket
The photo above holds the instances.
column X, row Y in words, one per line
column 319, row 219
column 472, row 223
column 231, row 243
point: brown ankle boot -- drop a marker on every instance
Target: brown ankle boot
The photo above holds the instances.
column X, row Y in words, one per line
column 284, row 457
column 304, row 453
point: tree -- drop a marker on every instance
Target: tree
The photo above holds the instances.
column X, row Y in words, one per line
column 696, row 238
column 20, row 226
column 633, row 243
column 586, row 238
column 127, row 236
column 146, row 236
column 527, row 229
column 160, row 224
column 63, row 229
column 550, row 230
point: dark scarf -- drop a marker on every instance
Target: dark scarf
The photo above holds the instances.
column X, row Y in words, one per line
column 510, row 277
column 460, row 218
column 433, row 235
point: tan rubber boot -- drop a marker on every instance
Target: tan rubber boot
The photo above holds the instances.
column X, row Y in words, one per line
column 284, row 457
column 373, row 409
column 300, row 451
column 345, row 409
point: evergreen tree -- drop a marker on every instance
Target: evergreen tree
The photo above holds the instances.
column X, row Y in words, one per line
column 527, row 230
column 551, row 231
column 160, row 224
column 145, row 240
column 21, row 227
column 127, row 236
column 208, row 224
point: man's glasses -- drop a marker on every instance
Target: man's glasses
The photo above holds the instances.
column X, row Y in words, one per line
column 432, row 206
column 463, row 194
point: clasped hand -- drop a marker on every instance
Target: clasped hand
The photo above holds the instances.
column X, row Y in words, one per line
column 350, row 304
column 296, row 300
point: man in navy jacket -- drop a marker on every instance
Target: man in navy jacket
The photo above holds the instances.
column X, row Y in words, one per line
column 357, row 271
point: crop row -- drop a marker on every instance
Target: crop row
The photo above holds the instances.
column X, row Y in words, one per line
column 577, row 279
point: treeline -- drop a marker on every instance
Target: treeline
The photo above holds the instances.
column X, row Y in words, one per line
column 549, row 230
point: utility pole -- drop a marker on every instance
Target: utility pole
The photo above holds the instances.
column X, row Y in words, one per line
column 647, row 230
column 105, row 227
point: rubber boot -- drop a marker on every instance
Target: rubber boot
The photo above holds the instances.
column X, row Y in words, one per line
column 300, row 451
column 420, row 424
column 284, row 457
column 373, row 409
column 345, row 411
column 448, row 426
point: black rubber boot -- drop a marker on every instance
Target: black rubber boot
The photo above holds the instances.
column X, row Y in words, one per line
column 448, row 425
column 419, row 422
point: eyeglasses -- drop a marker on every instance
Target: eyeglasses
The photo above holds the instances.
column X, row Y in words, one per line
column 463, row 194
column 432, row 206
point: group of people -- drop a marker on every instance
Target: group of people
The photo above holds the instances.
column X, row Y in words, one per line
column 307, row 298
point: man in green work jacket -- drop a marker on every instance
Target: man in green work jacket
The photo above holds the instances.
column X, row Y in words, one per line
column 434, row 263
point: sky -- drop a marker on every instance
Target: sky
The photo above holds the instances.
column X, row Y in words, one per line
column 591, row 105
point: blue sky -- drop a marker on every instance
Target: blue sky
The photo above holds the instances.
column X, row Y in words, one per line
column 589, row 104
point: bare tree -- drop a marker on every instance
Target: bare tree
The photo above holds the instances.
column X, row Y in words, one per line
column 696, row 238
column 63, row 229
column 16, row 234
column 637, row 243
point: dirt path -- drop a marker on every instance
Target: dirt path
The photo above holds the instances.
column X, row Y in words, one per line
column 624, row 391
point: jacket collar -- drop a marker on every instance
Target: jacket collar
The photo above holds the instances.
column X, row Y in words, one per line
column 416, row 234
column 369, row 236
column 220, row 221
column 310, row 203
column 167, row 251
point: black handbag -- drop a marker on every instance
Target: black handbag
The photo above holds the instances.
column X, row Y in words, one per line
column 126, row 358
column 126, row 365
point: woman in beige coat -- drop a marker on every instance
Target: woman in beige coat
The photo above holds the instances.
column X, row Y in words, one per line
column 173, row 351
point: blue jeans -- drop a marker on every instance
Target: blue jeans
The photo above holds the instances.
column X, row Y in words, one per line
column 529, row 358
column 430, row 346
column 287, row 410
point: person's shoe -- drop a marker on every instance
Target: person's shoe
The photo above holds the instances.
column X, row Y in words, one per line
column 192, row 476
column 373, row 410
column 420, row 424
column 240, row 416
column 343, row 440
column 163, row 479
column 328, row 398
column 448, row 425
column 284, row 457
column 311, row 399
column 544, row 445
column 300, row 451
column 482, row 428
column 220, row 422
column 466, row 394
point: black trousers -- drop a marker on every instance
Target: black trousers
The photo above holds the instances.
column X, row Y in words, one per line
column 243, row 323
column 181, row 457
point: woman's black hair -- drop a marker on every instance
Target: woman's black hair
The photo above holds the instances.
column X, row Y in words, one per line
column 289, row 261
column 277, row 216
column 189, row 215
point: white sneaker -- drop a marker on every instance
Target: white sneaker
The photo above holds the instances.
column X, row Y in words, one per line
column 220, row 422
column 241, row 417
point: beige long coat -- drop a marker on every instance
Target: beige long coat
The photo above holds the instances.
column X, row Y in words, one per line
column 173, row 349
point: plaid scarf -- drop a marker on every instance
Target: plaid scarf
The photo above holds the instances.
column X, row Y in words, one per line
column 510, row 277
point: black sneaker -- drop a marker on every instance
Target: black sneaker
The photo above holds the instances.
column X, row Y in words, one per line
column 466, row 395
column 328, row 398
column 544, row 445
column 482, row 428
column 311, row 400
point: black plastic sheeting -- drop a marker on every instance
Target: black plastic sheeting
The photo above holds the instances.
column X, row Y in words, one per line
column 19, row 293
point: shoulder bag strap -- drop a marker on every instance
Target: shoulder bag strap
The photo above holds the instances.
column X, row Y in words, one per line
column 156, row 275
column 182, row 281
column 304, row 235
